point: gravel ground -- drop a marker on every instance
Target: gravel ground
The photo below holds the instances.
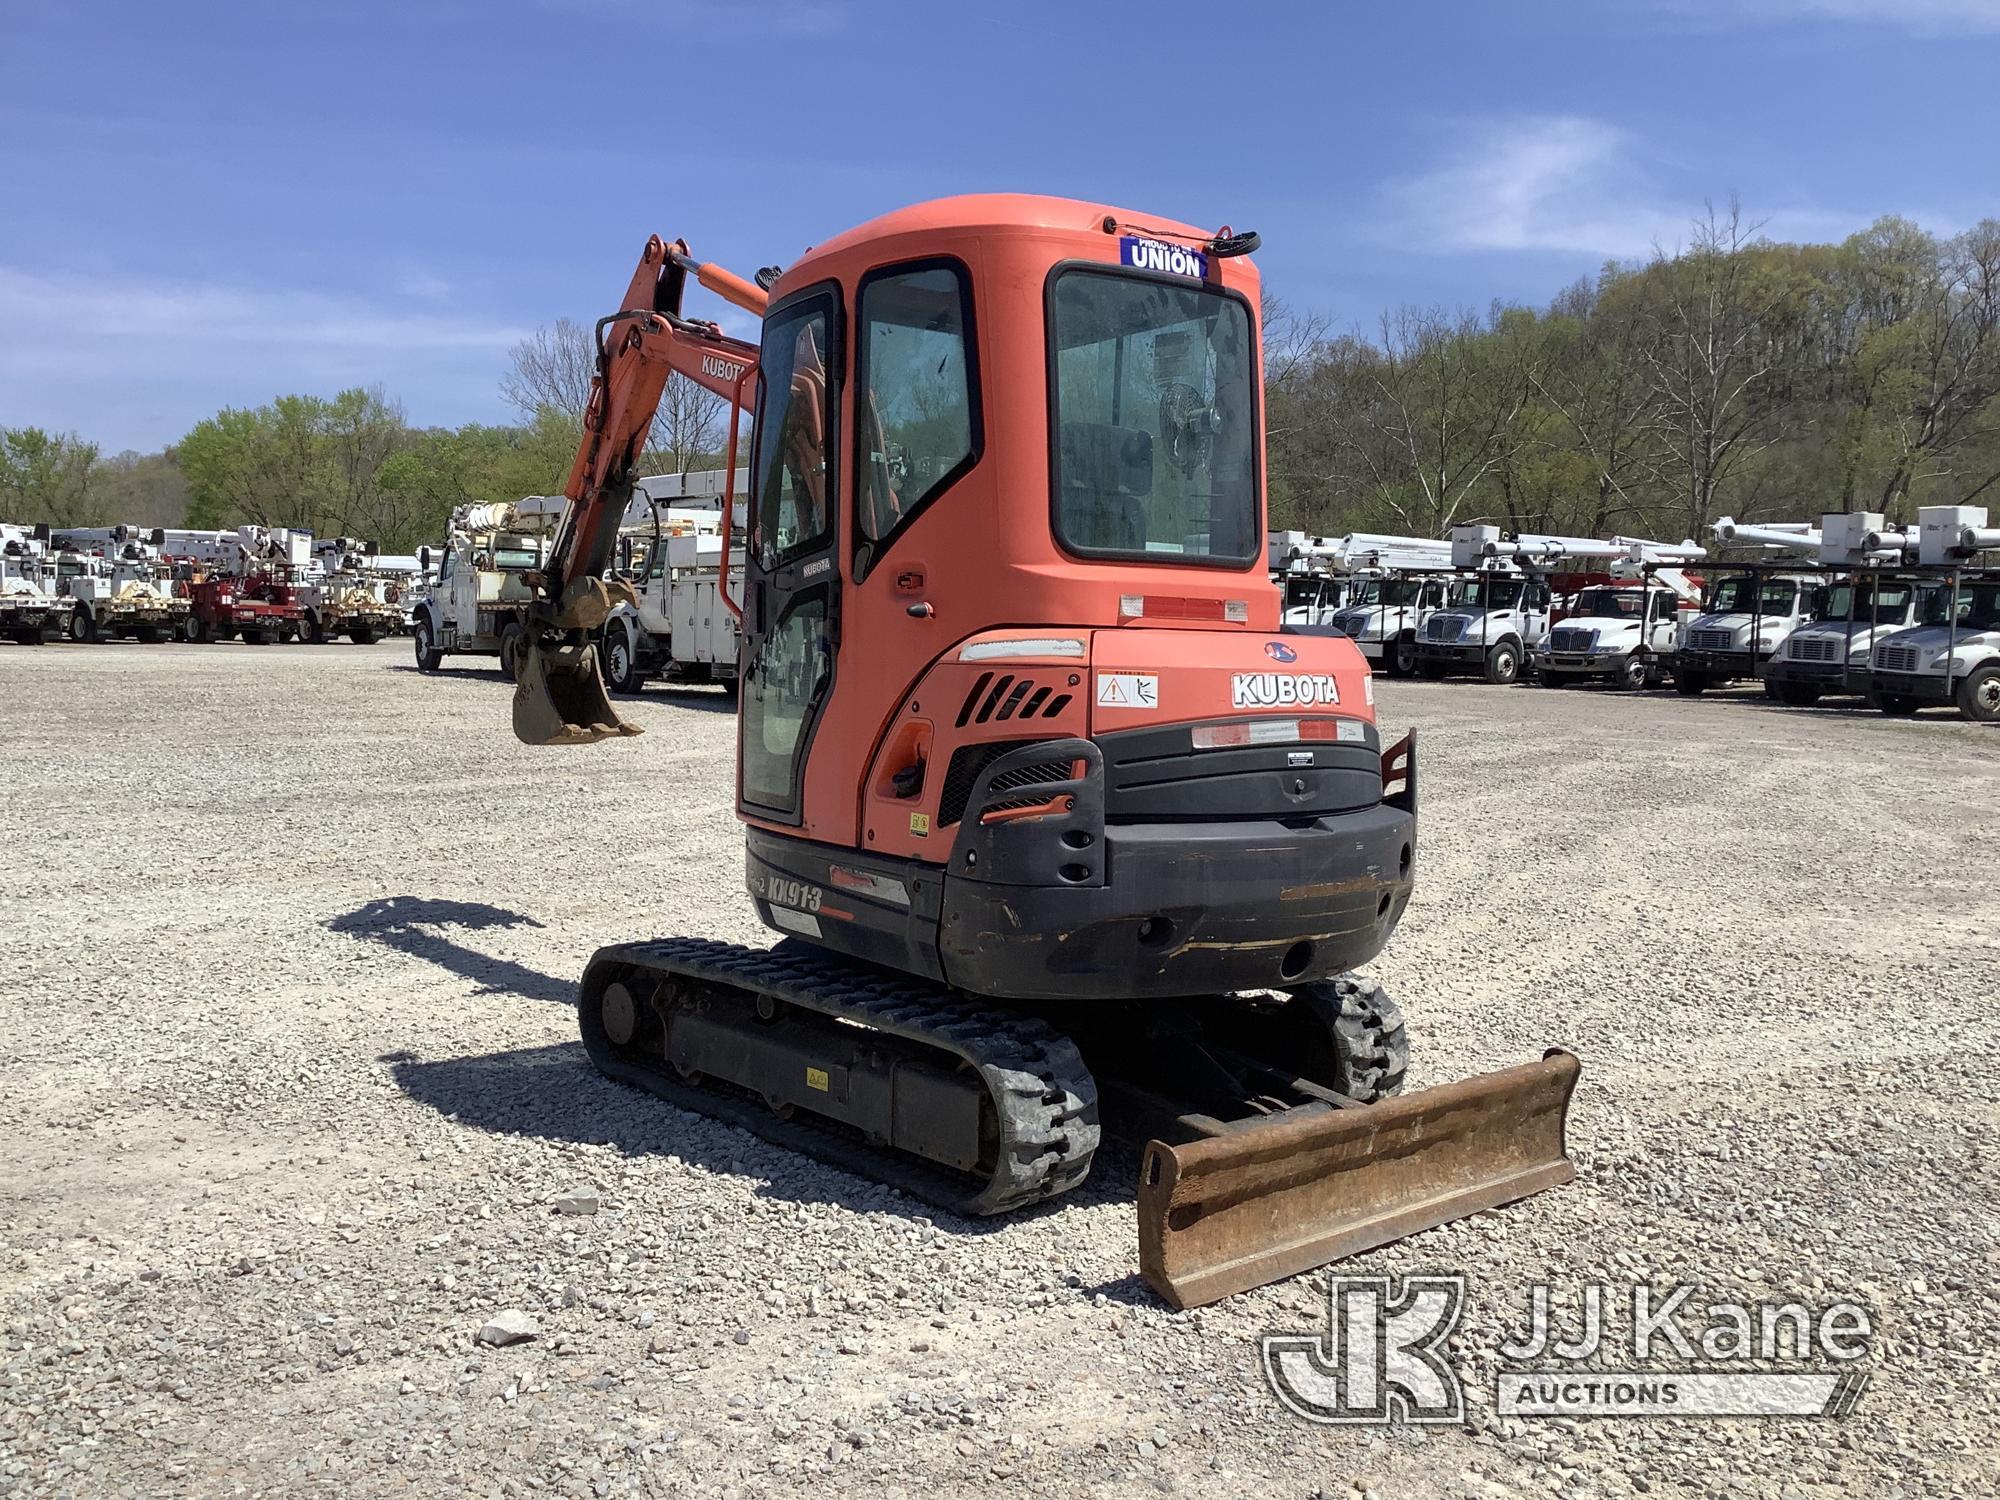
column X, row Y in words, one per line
column 293, row 1107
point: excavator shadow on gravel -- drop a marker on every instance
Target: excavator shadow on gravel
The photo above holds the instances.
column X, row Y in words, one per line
column 1063, row 831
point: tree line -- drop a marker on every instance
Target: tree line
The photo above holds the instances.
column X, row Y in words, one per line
column 1734, row 376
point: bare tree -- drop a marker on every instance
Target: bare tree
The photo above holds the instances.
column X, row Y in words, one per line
column 551, row 368
column 690, row 424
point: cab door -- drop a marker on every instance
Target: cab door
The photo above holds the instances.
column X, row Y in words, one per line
column 791, row 605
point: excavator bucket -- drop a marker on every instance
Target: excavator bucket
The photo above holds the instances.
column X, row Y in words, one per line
column 1265, row 1200
column 559, row 698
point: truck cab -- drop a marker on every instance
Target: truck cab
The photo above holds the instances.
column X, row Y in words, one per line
column 1621, row 633
column 1491, row 622
column 1952, row 656
column 1742, row 621
column 1831, row 651
column 127, row 592
column 1384, row 615
column 1311, row 599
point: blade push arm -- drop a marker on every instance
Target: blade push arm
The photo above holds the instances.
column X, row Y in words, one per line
column 560, row 698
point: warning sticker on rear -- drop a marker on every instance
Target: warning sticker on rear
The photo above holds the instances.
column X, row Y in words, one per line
column 1283, row 689
column 1127, row 690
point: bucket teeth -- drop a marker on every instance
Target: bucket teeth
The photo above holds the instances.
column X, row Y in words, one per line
column 560, row 698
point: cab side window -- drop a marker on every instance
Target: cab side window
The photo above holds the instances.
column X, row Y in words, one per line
column 791, row 475
column 918, row 421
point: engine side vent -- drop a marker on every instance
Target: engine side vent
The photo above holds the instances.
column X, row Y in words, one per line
column 1008, row 697
column 967, row 764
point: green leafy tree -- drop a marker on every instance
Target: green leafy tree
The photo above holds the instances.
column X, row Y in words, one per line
column 51, row 477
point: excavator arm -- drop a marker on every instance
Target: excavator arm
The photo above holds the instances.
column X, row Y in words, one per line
column 560, row 697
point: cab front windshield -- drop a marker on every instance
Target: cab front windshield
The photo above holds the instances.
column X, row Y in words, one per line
column 1743, row 596
column 1487, row 593
column 1155, row 420
column 1866, row 601
column 1395, row 593
column 1610, row 604
column 1304, row 593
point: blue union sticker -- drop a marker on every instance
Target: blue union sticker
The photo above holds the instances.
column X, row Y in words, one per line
column 1157, row 255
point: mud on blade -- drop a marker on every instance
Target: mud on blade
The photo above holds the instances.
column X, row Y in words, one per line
column 1248, row 1206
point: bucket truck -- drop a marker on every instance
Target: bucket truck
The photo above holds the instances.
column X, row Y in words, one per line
column 477, row 607
column 121, row 584
column 32, row 610
column 1375, row 589
column 1621, row 632
column 1953, row 655
column 258, row 597
column 1749, row 610
column 676, row 626
column 346, row 595
column 1829, row 653
column 1496, row 612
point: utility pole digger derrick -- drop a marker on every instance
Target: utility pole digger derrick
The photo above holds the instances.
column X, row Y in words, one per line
column 1064, row 832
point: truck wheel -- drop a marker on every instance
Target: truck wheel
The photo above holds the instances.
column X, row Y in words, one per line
column 1503, row 664
column 190, row 630
column 1979, row 695
column 1895, row 705
column 82, row 627
column 513, row 640
column 1371, row 1048
column 619, row 659
column 315, row 628
column 1633, row 674
column 1690, row 684
column 1399, row 657
column 429, row 658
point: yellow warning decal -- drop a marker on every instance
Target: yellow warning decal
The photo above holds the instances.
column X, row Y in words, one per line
column 816, row 1079
column 920, row 824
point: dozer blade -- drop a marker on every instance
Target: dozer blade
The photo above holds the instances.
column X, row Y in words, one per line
column 559, row 698
column 1261, row 1201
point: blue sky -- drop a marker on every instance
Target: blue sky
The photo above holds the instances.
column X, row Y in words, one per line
column 212, row 204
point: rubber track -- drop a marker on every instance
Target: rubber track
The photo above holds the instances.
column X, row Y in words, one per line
column 1044, row 1098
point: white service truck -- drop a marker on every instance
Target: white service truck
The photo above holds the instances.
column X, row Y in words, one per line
column 1747, row 612
column 32, row 609
column 344, row 594
column 121, row 585
column 479, row 604
column 680, row 629
column 1621, row 633
column 1953, row 655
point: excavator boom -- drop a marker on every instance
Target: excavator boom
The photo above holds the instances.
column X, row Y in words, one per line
column 560, row 697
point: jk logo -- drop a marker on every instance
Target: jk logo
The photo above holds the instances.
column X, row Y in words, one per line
column 1382, row 1358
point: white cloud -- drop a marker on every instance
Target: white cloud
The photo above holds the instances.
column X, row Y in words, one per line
column 1559, row 184
column 1921, row 17
column 135, row 364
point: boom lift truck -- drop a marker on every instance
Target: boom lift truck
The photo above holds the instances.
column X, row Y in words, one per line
column 679, row 627
column 479, row 604
column 346, row 595
column 32, row 611
column 1622, row 631
column 1062, row 829
column 1749, row 609
column 258, row 597
column 1390, row 586
column 1867, row 599
column 121, row 584
column 1495, row 615
column 1953, row 655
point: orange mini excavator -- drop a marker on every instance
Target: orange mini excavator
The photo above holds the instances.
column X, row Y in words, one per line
column 1063, row 830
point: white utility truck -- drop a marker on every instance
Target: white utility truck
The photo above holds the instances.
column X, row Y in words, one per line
column 1861, row 603
column 1953, row 655
column 121, row 585
column 1375, row 589
column 32, row 609
column 478, row 607
column 1623, row 632
column 1494, row 615
column 344, row 594
column 680, row 629
column 1748, row 611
